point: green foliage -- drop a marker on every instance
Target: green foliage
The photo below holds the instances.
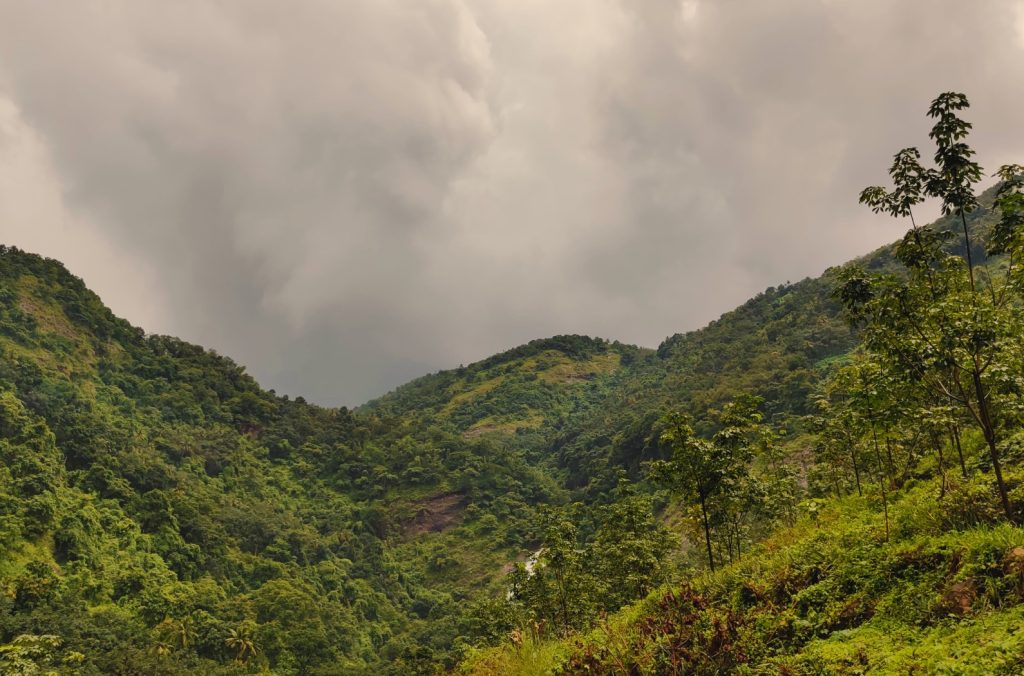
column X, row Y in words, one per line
column 714, row 474
column 160, row 513
column 948, row 333
column 590, row 561
column 828, row 595
column 776, row 346
column 841, row 458
column 896, row 571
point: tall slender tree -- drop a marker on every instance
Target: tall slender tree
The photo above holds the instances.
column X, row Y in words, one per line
column 941, row 326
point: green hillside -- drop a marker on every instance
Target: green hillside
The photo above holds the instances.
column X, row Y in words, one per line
column 157, row 500
column 862, row 514
column 827, row 596
column 824, row 480
column 153, row 500
column 780, row 345
column 170, row 501
column 528, row 391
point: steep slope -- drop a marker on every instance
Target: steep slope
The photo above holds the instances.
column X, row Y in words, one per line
column 525, row 388
column 830, row 595
column 779, row 345
column 162, row 512
column 159, row 512
column 912, row 572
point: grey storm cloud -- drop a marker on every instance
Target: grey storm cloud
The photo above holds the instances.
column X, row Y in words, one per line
column 344, row 195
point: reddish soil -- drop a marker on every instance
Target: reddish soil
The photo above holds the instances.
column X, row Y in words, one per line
column 435, row 514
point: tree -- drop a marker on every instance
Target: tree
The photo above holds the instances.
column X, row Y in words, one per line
column 561, row 586
column 629, row 546
column 30, row 654
column 713, row 473
column 864, row 393
column 956, row 174
column 694, row 471
column 242, row 642
column 942, row 326
column 837, row 447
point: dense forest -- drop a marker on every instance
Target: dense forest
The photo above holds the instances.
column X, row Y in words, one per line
column 825, row 480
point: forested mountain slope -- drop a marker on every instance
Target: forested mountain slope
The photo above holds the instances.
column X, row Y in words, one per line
column 779, row 345
column 827, row 479
column 853, row 506
column 161, row 513
column 527, row 391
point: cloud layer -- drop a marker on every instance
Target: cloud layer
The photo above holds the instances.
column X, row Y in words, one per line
column 344, row 195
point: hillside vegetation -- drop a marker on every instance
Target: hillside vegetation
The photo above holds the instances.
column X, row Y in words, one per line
column 528, row 391
column 155, row 503
column 873, row 526
column 830, row 595
column 825, row 480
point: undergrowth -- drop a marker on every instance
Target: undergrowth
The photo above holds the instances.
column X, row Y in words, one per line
column 829, row 595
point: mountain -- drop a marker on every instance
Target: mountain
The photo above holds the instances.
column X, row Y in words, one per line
column 155, row 502
column 528, row 390
column 916, row 570
column 161, row 513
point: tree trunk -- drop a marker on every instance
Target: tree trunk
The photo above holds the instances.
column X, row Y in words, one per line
column 988, row 429
column 942, row 464
column 856, row 469
column 882, row 480
column 970, row 258
column 707, row 531
column 954, row 431
column 853, row 459
column 888, row 457
column 562, row 602
column 739, row 539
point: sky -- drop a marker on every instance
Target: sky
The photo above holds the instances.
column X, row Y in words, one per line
column 345, row 194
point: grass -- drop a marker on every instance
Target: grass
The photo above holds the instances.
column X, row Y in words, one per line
column 550, row 368
column 830, row 595
column 461, row 397
column 505, row 424
column 533, row 657
column 991, row 642
column 562, row 371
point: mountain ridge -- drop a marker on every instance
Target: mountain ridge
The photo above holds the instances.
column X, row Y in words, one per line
column 172, row 507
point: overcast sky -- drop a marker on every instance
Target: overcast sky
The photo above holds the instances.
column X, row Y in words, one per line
column 345, row 194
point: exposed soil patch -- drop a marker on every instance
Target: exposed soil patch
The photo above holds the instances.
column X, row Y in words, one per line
column 475, row 432
column 436, row 514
